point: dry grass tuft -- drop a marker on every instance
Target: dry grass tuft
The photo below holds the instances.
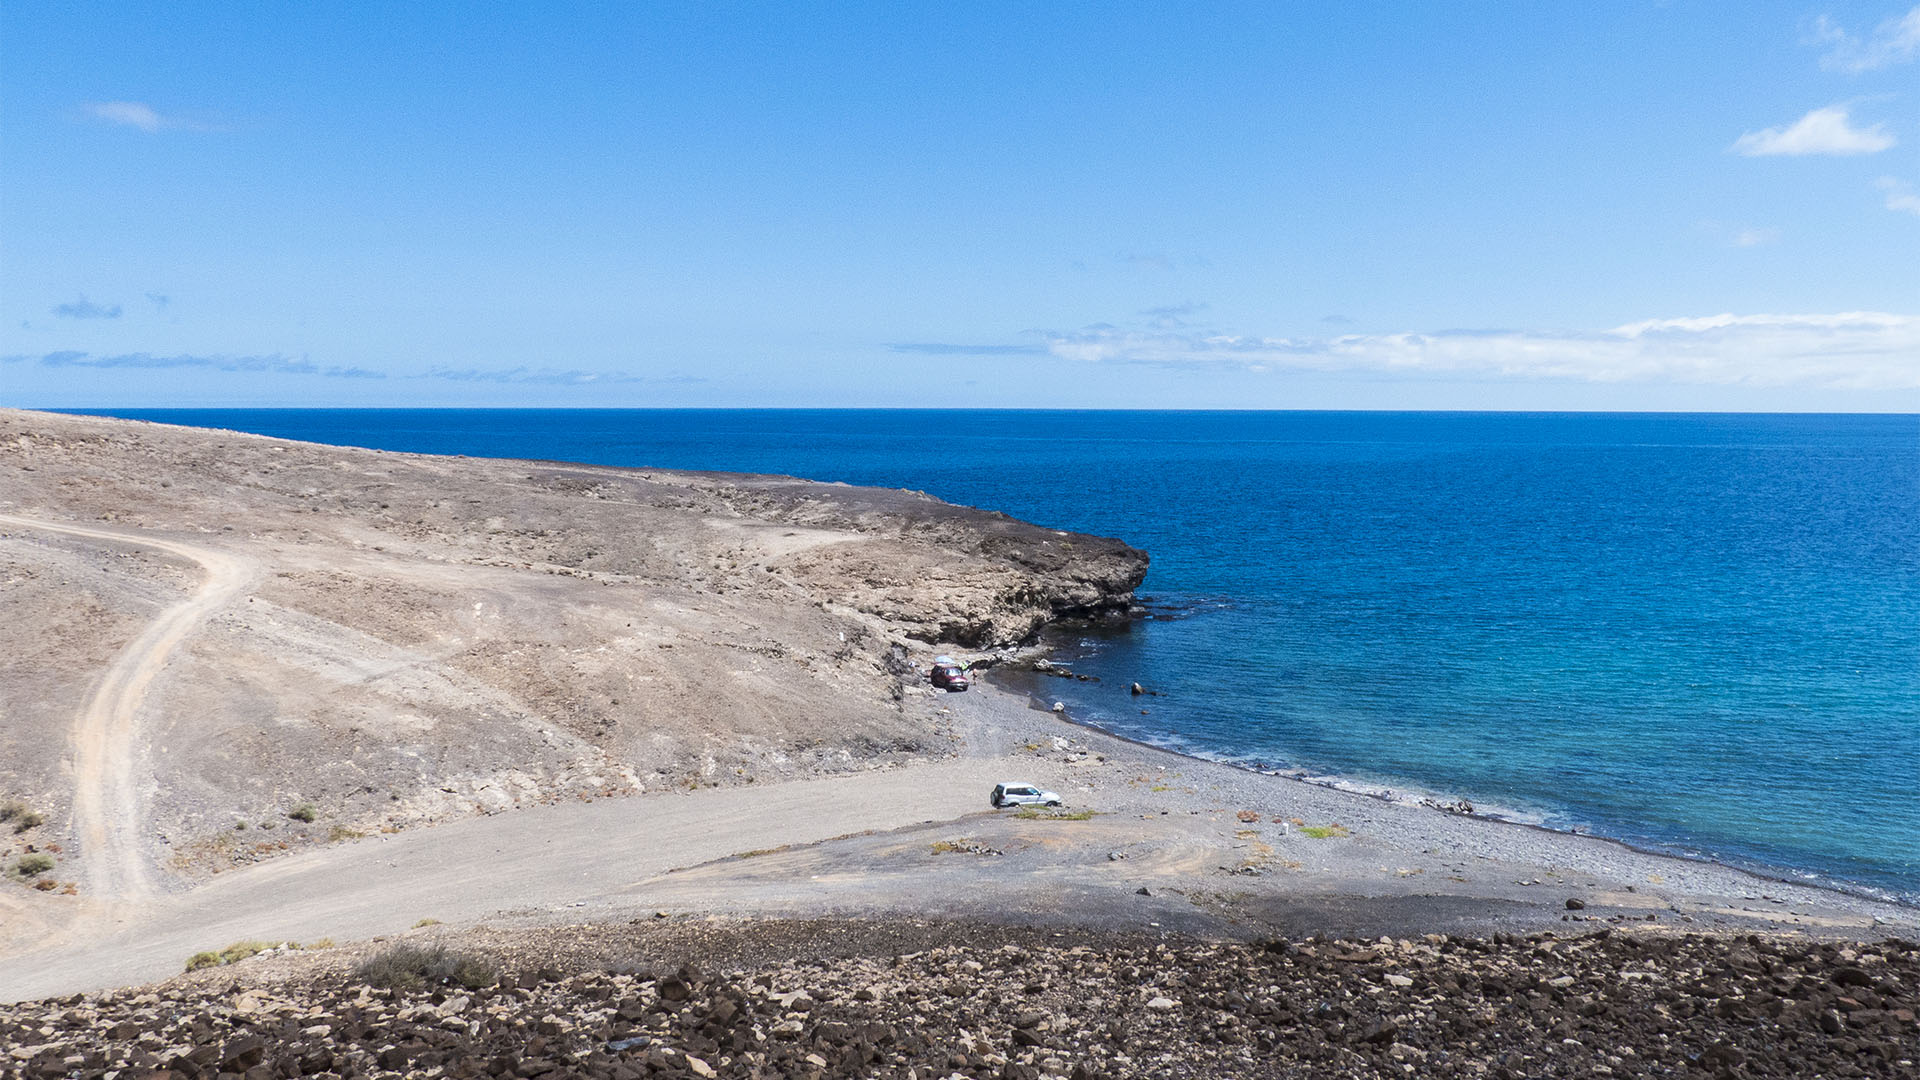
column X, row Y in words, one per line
column 410, row 967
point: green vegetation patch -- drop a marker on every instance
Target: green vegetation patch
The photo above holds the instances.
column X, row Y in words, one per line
column 1322, row 832
column 305, row 812
column 30, row 865
column 233, row 953
column 1036, row 813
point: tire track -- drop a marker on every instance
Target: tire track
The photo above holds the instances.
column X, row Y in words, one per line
column 109, row 815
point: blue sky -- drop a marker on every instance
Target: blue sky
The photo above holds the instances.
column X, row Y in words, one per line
column 1633, row 205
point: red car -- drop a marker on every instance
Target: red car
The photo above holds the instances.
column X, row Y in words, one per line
column 949, row 677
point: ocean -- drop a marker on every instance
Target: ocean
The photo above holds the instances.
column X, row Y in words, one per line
column 1694, row 633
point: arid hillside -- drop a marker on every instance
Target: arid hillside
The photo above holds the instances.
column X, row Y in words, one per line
column 219, row 646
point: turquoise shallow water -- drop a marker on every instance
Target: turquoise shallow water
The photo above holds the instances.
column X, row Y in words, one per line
column 1698, row 632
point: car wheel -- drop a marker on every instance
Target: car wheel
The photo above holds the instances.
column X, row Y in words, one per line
column 1056, row 803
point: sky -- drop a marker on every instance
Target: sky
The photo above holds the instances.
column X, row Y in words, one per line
column 1652, row 206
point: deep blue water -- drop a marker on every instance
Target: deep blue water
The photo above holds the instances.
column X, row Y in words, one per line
column 1700, row 632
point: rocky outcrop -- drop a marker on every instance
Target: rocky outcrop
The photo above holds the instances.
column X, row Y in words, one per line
column 939, row 572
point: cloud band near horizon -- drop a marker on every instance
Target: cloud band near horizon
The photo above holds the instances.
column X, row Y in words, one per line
column 1860, row 350
column 277, row 364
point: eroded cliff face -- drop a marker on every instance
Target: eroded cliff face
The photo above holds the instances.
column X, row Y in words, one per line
column 423, row 637
column 945, row 573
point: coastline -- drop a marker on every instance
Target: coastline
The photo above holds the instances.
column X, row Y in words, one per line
column 1702, row 888
column 861, row 796
column 1161, row 848
column 1440, row 801
column 1436, row 802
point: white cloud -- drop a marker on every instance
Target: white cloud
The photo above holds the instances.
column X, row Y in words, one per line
column 1894, row 41
column 1899, row 196
column 1850, row 350
column 135, row 114
column 1822, row 131
column 1756, row 237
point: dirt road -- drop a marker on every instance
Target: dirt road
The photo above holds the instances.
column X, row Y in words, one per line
column 108, row 808
column 545, row 857
column 870, row 843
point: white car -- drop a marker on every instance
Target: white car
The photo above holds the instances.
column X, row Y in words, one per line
column 1022, row 795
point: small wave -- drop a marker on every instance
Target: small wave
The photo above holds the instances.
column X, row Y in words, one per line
column 1407, row 795
column 1439, row 801
column 1176, row 608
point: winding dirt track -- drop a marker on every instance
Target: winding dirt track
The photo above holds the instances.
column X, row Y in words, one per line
column 109, row 815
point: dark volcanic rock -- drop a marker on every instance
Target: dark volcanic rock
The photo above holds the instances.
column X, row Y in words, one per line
column 1600, row 1005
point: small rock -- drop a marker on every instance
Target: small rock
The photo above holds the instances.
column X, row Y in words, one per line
column 1400, row 981
column 1059, row 706
column 701, row 1068
column 1162, row 1004
column 1138, row 689
column 1380, row 1032
column 1574, row 903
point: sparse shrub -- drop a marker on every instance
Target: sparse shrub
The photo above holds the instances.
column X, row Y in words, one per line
column 409, row 967
column 233, row 953
column 341, row 832
column 29, row 865
column 429, row 921
column 22, row 816
column 305, row 812
column 1323, row 832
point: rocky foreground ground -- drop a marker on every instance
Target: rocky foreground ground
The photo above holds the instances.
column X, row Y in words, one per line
column 1002, row 1003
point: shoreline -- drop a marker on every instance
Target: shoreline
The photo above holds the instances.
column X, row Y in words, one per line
column 1439, row 802
column 1334, row 782
column 1169, row 848
column 1717, row 880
